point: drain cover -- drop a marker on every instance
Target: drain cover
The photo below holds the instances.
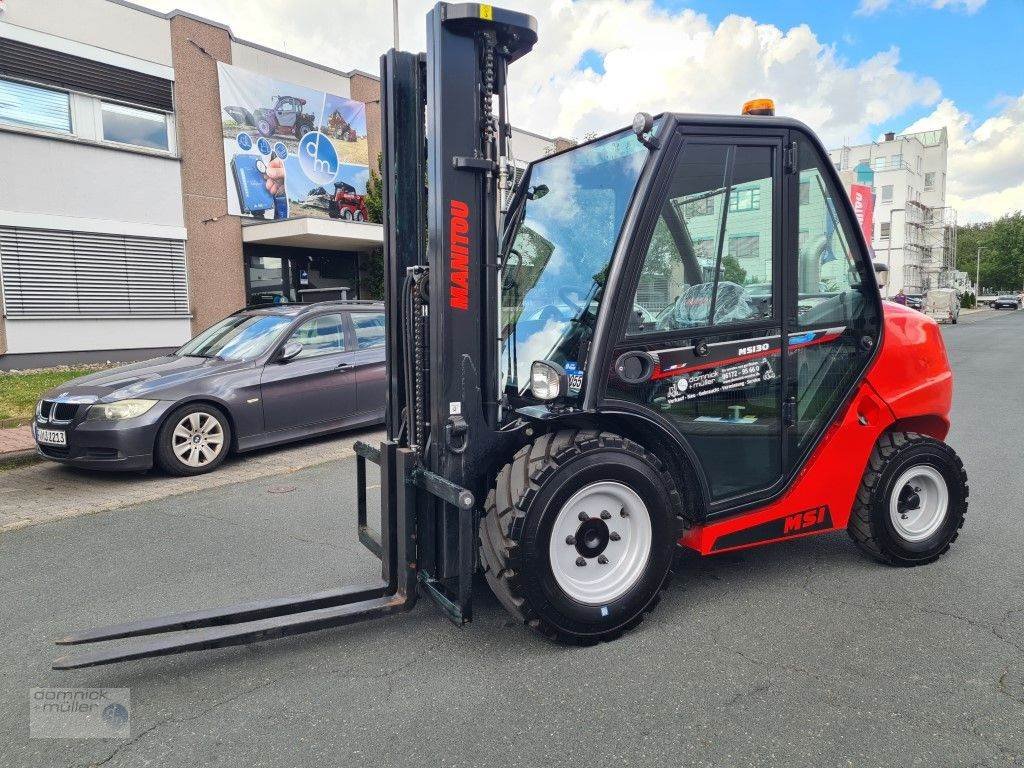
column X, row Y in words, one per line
column 282, row 488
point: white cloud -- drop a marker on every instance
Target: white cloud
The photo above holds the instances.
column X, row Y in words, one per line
column 870, row 7
column 657, row 60
column 986, row 160
column 653, row 60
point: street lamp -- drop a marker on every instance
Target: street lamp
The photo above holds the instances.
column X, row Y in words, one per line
column 977, row 278
column 394, row 21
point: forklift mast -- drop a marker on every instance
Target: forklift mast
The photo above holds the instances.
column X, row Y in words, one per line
column 445, row 131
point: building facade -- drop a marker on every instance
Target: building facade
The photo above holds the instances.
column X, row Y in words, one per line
column 140, row 203
column 913, row 230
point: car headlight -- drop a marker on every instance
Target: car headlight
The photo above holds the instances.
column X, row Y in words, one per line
column 547, row 380
column 121, row 409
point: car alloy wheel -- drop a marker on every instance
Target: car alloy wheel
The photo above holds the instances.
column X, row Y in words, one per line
column 197, row 439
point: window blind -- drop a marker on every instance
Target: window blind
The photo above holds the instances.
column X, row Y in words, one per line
column 57, row 273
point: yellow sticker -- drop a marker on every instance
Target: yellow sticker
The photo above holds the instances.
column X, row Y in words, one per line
column 487, row 12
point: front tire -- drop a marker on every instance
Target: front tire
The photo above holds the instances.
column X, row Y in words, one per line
column 579, row 534
column 911, row 502
column 195, row 439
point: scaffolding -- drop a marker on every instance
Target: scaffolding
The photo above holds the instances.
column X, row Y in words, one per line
column 929, row 247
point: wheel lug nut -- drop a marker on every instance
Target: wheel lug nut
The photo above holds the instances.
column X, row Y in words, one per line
column 602, row 560
column 614, row 536
column 583, row 516
column 570, row 540
column 623, row 512
column 580, row 561
column 605, row 514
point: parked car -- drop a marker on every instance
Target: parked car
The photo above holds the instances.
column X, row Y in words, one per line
column 943, row 305
column 1006, row 302
column 259, row 377
column 915, row 301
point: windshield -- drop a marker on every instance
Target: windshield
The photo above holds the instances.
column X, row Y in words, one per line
column 557, row 264
column 239, row 337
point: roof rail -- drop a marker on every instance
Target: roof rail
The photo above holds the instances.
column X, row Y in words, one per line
column 296, row 305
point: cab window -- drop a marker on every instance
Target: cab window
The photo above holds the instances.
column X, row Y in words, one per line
column 710, row 259
column 831, row 286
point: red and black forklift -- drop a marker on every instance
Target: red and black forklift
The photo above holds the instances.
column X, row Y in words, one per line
column 670, row 336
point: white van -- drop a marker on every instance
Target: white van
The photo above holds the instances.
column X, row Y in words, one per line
column 942, row 304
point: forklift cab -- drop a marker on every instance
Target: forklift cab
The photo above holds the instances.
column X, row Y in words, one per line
column 714, row 285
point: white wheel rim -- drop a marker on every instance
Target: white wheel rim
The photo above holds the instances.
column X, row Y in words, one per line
column 622, row 550
column 197, row 439
column 919, row 503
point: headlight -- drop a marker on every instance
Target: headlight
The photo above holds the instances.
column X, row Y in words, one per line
column 547, row 380
column 122, row 409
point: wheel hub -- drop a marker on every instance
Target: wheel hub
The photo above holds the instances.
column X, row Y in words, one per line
column 592, row 537
column 601, row 541
column 919, row 503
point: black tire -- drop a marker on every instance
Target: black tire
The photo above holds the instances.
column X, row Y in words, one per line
column 168, row 460
column 520, row 511
column 871, row 526
column 332, row 209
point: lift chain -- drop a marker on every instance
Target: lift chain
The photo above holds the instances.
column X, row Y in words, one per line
column 490, row 42
column 419, row 299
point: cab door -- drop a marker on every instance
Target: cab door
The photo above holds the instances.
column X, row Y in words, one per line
column 833, row 308
column 706, row 309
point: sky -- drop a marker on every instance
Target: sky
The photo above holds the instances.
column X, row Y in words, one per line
column 851, row 69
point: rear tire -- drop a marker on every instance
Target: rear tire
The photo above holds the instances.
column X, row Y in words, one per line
column 911, row 502
column 626, row 541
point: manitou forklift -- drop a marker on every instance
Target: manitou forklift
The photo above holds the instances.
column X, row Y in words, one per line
column 670, row 336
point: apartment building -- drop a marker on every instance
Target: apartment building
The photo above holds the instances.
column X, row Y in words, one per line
column 913, row 230
column 139, row 154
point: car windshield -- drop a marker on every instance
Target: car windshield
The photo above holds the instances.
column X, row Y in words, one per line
column 557, row 263
column 239, row 337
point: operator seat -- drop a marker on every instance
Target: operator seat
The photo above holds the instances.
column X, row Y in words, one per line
column 693, row 304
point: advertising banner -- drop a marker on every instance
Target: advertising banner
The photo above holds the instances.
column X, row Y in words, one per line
column 864, row 207
column 291, row 151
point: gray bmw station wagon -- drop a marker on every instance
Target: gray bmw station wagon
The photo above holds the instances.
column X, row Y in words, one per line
column 259, row 377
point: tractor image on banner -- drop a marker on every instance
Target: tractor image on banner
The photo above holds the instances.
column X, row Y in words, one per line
column 286, row 145
column 671, row 337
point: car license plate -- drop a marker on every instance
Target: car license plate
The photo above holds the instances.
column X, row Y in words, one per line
column 52, row 436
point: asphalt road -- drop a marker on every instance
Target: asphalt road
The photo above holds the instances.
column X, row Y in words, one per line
column 800, row 654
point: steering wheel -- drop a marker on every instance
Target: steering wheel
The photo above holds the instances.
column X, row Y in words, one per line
column 565, row 293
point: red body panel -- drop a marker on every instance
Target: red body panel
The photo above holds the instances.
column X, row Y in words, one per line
column 909, row 385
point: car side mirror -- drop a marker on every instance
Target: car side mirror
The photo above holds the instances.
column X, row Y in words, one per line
column 289, row 351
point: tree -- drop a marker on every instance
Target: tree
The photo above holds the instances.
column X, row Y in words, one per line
column 374, row 198
column 1002, row 252
column 732, row 271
